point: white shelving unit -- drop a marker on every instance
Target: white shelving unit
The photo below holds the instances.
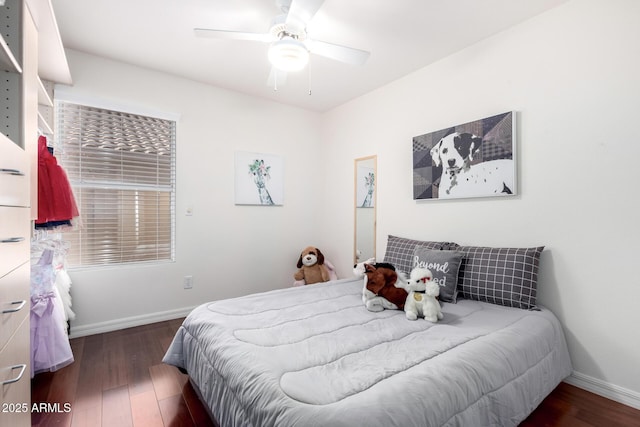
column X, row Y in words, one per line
column 18, row 34
column 32, row 60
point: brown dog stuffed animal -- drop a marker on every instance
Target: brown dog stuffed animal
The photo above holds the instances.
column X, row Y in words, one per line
column 311, row 266
column 381, row 281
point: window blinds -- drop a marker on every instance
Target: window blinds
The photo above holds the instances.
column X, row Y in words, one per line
column 122, row 170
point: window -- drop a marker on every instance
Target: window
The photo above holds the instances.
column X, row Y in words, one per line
column 122, row 170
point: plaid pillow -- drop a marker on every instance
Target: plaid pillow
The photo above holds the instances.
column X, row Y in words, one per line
column 400, row 251
column 503, row 276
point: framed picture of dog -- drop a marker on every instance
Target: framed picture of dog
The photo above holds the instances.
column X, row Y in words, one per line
column 475, row 159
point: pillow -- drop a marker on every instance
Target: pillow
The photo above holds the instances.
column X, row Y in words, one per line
column 451, row 246
column 503, row 276
column 445, row 266
column 399, row 251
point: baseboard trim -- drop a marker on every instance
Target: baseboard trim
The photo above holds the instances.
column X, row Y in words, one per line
column 605, row 389
column 127, row 322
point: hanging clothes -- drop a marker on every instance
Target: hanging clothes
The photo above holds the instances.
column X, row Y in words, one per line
column 45, row 239
column 56, row 203
column 50, row 348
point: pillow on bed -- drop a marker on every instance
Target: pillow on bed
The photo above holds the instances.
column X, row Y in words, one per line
column 399, row 251
column 503, row 276
column 444, row 266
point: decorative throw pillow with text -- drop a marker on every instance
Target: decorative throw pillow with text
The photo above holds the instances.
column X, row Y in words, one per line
column 444, row 266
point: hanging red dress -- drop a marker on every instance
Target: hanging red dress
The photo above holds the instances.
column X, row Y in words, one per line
column 56, row 203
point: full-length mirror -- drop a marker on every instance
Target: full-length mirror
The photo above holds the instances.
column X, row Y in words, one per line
column 366, row 181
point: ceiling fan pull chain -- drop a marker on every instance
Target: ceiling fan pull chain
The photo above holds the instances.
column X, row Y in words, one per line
column 309, row 70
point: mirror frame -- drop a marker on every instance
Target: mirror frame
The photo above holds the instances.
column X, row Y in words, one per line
column 373, row 158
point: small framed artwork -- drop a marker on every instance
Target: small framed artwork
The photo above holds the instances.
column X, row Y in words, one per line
column 475, row 159
column 259, row 179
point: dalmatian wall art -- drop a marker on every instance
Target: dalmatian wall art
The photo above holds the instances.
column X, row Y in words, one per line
column 475, row 159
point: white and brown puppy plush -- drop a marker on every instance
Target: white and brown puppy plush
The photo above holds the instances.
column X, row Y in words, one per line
column 461, row 177
column 311, row 266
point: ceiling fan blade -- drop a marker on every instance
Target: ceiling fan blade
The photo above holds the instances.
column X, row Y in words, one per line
column 338, row 52
column 233, row 35
column 302, row 11
column 277, row 78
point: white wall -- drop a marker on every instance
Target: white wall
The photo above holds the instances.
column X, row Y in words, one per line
column 573, row 77
column 229, row 250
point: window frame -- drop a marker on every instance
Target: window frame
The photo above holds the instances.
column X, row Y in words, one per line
column 65, row 98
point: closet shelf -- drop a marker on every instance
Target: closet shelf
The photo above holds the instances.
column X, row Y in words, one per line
column 43, row 95
column 52, row 60
column 8, row 62
column 43, row 126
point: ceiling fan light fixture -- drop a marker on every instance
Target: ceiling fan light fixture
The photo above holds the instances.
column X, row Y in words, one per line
column 288, row 54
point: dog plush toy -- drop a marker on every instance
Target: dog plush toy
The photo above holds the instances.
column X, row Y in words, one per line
column 358, row 269
column 383, row 281
column 370, row 300
column 421, row 301
column 311, row 267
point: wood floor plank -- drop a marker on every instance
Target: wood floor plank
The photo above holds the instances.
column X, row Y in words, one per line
column 198, row 412
column 115, row 360
column 57, row 388
column 164, row 338
column 91, row 372
column 145, row 410
column 65, row 381
column 138, row 363
column 569, row 405
column 597, row 410
column 181, row 378
column 52, row 414
column 165, row 381
column 116, row 407
column 87, row 416
column 175, row 412
column 40, row 386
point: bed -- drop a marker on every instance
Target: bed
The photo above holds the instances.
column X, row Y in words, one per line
column 315, row 356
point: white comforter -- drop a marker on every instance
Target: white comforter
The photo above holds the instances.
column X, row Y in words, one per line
column 314, row 356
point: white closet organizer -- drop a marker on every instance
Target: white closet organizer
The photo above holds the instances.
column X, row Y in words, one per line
column 20, row 86
column 15, row 214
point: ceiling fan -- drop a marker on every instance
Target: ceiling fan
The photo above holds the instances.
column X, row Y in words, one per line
column 289, row 46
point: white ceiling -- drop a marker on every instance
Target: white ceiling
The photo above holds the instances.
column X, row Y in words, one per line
column 402, row 36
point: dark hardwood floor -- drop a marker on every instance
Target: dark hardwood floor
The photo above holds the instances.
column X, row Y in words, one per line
column 119, row 380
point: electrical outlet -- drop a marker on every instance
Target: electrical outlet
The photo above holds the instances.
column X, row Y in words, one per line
column 188, row 282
